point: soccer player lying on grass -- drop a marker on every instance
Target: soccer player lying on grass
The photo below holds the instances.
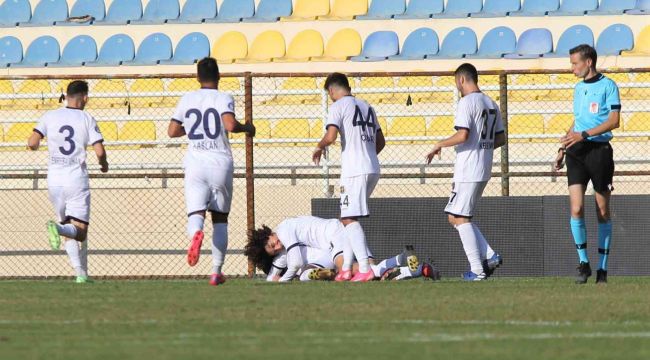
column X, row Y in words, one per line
column 300, row 246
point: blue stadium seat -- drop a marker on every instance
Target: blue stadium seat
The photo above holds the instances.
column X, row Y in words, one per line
column 47, row 13
column 642, row 7
column 11, row 51
column 192, row 48
column 497, row 43
column 234, row 11
column 537, row 7
column 384, row 9
column 14, row 12
column 152, row 50
column 457, row 44
column 79, row 50
column 572, row 37
column 614, row 39
column 271, row 11
column 115, row 50
column 533, row 43
column 122, row 12
column 498, row 8
column 196, row 11
column 613, row 7
column 422, row 9
column 419, row 44
column 158, row 12
column 94, row 8
column 460, row 8
column 43, row 50
column 379, row 46
column 575, row 7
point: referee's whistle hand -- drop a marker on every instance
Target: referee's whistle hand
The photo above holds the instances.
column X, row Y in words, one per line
column 571, row 138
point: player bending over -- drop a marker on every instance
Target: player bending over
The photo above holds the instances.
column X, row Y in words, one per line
column 69, row 131
column 206, row 116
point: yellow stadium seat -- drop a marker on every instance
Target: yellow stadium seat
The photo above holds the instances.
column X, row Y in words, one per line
column 346, row 10
column 183, row 85
column 291, row 129
column 266, row 46
column 525, row 124
column 297, row 83
column 407, row 127
column 641, row 45
column 137, row 131
column 383, row 124
column 106, row 86
column 2, row 133
column 62, row 86
column 341, row 46
column 6, row 89
column 370, row 83
column 18, row 133
column 638, row 122
column 308, row 10
column 229, row 84
column 637, row 93
column 40, row 88
column 316, row 130
column 533, row 94
column 108, row 129
column 441, row 126
column 406, row 83
column 305, row 45
column 146, row 86
column 446, row 96
column 559, row 124
column 262, row 129
column 231, row 46
column 563, row 94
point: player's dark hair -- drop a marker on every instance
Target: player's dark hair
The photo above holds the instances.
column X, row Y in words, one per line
column 207, row 70
column 337, row 79
column 77, row 87
column 255, row 251
column 586, row 52
column 468, row 71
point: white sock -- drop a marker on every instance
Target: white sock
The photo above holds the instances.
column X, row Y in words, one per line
column 219, row 246
column 484, row 247
column 470, row 244
column 72, row 248
column 83, row 255
column 348, row 255
column 194, row 224
column 378, row 270
column 305, row 275
column 67, row 230
column 357, row 240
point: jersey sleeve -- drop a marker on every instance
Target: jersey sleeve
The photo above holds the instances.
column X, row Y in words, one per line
column 334, row 117
column 179, row 113
column 463, row 118
column 499, row 129
column 226, row 105
column 40, row 127
column 612, row 97
column 278, row 267
column 295, row 262
column 94, row 133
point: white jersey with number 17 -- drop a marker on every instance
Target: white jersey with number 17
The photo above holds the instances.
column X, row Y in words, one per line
column 478, row 114
column 357, row 123
column 199, row 112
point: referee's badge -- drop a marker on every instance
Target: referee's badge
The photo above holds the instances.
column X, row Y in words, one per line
column 593, row 108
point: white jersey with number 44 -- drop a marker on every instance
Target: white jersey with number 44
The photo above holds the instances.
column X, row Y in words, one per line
column 357, row 123
column 478, row 114
column 199, row 112
column 68, row 131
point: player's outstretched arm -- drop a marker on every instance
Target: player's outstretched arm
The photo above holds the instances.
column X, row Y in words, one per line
column 381, row 141
column 232, row 125
column 34, row 141
column 328, row 139
column 458, row 138
column 100, row 151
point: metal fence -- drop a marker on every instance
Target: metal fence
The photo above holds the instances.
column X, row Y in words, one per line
column 138, row 216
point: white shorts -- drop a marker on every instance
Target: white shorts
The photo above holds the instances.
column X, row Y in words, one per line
column 208, row 189
column 319, row 258
column 355, row 192
column 464, row 197
column 70, row 203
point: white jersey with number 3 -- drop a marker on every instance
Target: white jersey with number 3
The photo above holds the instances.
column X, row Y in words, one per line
column 478, row 114
column 68, row 131
column 199, row 112
column 357, row 123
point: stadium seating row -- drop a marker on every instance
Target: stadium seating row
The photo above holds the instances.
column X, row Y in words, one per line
column 55, row 12
column 308, row 45
column 415, row 126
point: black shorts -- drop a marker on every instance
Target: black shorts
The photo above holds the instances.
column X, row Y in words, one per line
column 591, row 160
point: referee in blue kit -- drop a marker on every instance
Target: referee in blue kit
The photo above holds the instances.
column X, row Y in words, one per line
column 589, row 155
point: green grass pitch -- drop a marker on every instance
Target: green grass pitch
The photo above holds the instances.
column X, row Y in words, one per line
column 522, row 318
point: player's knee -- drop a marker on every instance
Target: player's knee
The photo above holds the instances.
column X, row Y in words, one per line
column 603, row 214
column 219, row 218
column 82, row 234
column 577, row 211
